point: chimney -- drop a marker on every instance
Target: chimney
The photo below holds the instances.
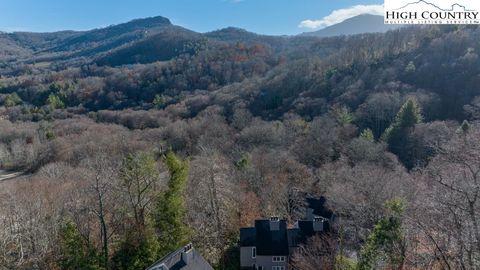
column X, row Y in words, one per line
column 318, row 224
column 274, row 224
column 187, row 254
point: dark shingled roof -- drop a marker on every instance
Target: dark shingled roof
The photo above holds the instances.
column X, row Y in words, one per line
column 271, row 242
column 304, row 231
column 174, row 261
column 276, row 240
column 294, row 236
column 248, row 237
column 319, row 208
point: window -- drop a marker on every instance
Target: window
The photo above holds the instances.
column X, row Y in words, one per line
column 254, row 252
column 278, row 267
column 278, row 258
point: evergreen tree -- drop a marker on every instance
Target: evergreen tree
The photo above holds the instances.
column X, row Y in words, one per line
column 138, row 251
column 410, row 114
column 12, row 100
column 171, row 208
column 396, row 135
column 158, row 101
column 385, row 243
column 140, row 178
column 344, row 263
column 54, row 102
column 367, row 135
column 410, row 68
column 465, row 127
column 76, row 253
column 230, row 259
column 139, row 248
column 343, row 115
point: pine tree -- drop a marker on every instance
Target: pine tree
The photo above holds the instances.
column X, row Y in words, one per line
column 12, row 100
column 55, row 102
column 396, row 135
column 410, row 68
column 343, row 115
column 140, row 177
column 367, row 135
column 171, row 208
column 76, row 253
column 139, row 247
column 465, row 127
column 408, row 116
column 159, row 101
column 385, row 242
column 139, row 250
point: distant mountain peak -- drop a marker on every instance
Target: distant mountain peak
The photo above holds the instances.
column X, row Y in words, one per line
column 364, row 23
column 230, row 29
column 147, row 22
column 153, row 20
column 232, row 34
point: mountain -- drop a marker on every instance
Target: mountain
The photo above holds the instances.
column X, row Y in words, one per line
column 139, row 41
column 76, row 40
column 115, row 35
column 235, row 35
column 154, row 39
column 9, row 49
column 164, row 45
column 357, row 25
column 176, row 40
column 65, row 45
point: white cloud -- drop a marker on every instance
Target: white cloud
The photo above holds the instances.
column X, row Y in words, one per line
column 340, row 15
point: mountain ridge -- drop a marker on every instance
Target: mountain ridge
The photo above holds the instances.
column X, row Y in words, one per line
column 148, row 40
column 365, row 23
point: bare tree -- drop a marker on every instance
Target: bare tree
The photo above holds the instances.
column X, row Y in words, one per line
column 319, row 253
column 101, row 174
column 213, row 201
column 450, row 216
column 359, row 193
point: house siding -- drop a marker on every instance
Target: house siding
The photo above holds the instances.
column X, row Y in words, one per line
column 267, row 262
column 246, row 259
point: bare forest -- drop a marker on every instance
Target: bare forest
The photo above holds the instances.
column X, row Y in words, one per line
column 129, row 145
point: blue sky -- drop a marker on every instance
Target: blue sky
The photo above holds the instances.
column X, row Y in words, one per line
column 262, row 16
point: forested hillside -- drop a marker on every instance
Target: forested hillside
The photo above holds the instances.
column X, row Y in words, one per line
column 139, row 138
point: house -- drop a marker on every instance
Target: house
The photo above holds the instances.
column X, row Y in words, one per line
column 270, row 244
column 185, row 258
column 265, row 246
